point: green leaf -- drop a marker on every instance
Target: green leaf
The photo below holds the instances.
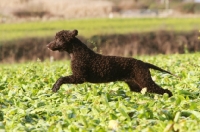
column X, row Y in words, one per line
column 194, row 113
column 1, row 116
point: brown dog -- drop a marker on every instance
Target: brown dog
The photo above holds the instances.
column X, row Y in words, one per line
column 88, row 66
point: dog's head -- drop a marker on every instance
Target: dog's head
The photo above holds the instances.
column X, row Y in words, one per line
column 62, row 40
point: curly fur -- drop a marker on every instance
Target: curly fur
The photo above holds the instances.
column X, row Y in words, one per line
column 88, row 66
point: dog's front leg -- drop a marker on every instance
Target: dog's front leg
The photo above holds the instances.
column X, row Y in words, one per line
column 68, row 79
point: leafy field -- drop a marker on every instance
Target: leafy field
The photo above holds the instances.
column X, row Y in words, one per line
column 27, row 103
column 89, row 27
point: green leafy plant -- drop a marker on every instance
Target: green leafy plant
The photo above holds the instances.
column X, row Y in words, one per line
column 28, row 104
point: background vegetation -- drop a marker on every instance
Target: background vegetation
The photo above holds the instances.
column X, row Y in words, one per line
column 119, row 36
column 90, row 27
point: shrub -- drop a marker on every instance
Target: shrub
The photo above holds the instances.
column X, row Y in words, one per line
column 187, row 7
column 31, row 10
column 29, row 13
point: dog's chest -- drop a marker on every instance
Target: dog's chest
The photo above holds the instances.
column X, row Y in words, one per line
column 77, row 62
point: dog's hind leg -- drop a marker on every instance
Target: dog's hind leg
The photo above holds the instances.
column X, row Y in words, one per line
column 152, row 87
column 143, row 79
column 134, row 87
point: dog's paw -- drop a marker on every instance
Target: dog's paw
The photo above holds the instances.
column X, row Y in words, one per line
column 55, row 88
column 168, row 92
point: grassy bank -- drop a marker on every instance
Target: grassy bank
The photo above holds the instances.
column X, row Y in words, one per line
column 27, row 103
column 89, row 27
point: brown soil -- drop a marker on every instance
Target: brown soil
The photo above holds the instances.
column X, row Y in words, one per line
column 160, row 42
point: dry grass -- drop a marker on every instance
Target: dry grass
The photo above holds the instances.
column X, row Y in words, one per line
column 59, row 8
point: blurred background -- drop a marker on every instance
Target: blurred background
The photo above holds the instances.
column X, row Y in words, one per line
column 112, row 27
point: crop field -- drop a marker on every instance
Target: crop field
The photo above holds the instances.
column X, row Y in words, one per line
column 89, row 27
column 28, row 104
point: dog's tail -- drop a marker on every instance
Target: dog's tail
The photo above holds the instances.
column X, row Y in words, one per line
column 158, row 68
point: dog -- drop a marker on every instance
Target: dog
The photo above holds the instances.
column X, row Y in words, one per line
column 88, row 66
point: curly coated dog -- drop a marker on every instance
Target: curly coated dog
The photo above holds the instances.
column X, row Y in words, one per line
column 88, row 66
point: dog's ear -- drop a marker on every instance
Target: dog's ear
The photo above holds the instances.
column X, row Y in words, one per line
column 69, row 35
column 74, row 32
